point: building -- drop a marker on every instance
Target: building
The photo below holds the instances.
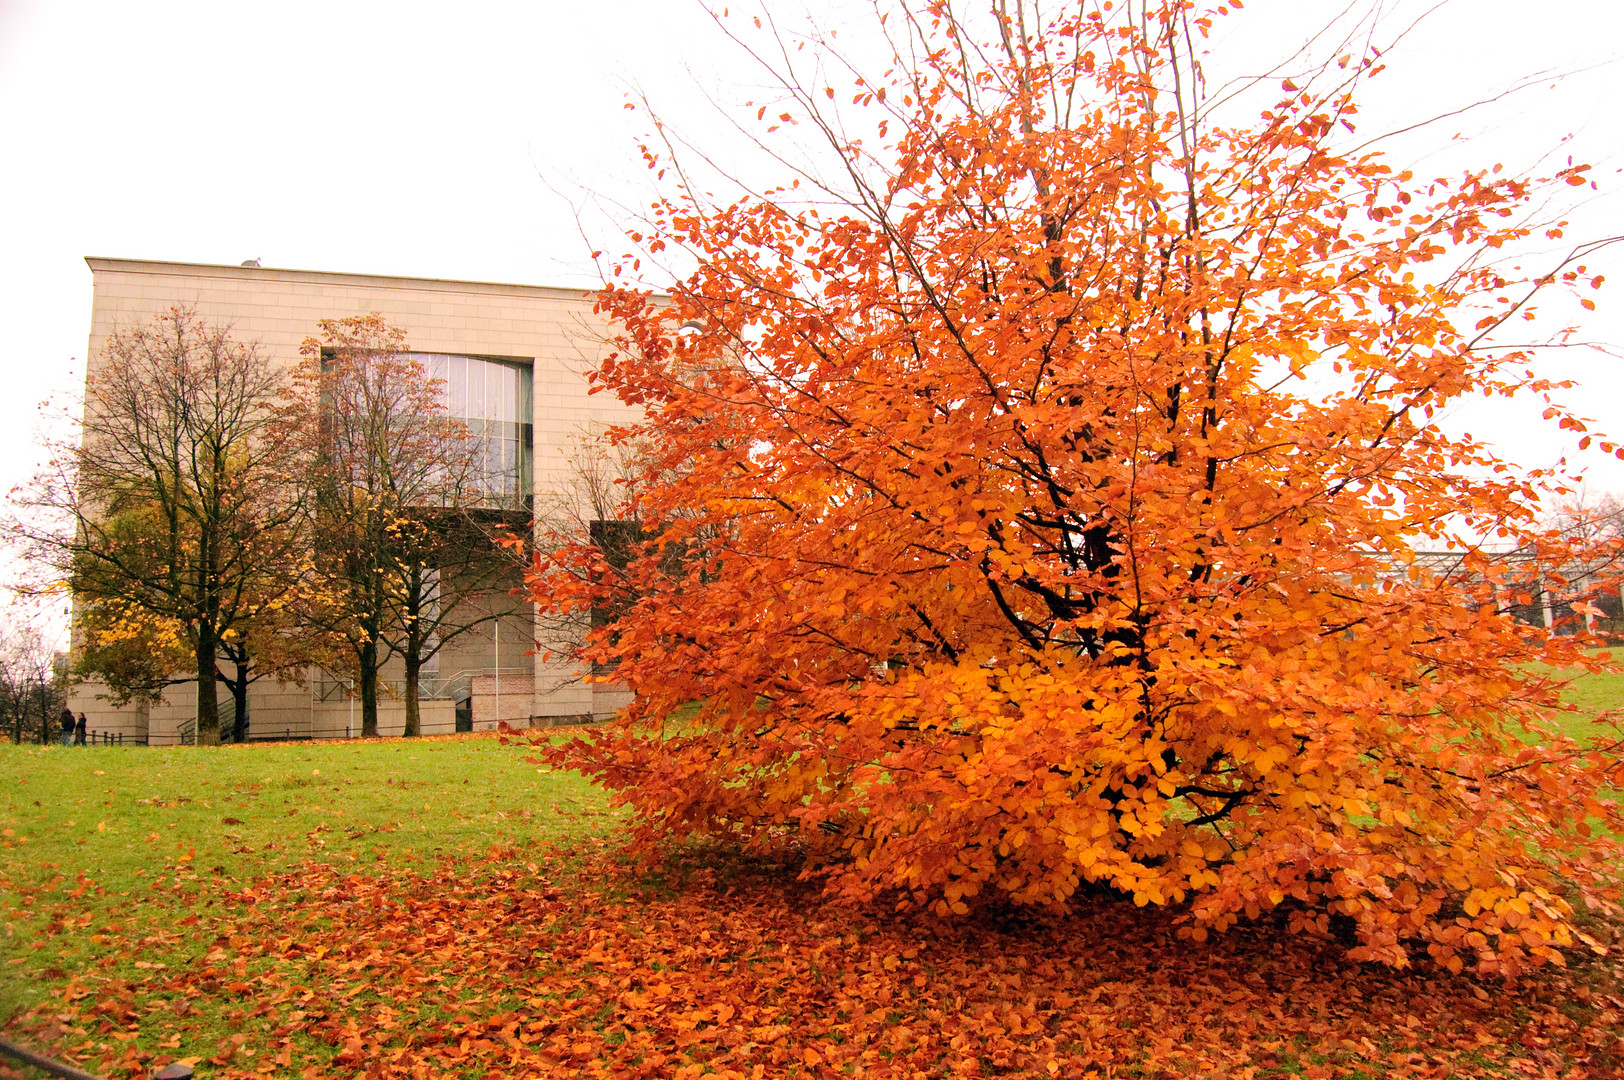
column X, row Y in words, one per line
column 513, row 357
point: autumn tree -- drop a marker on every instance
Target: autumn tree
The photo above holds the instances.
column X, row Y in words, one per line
column 277, row 642
column 132, row 653
column 179, row 505
column 136, row 655
column 1587, row 588
column 396, row 487
column 596, row 506
column 454, row 572
column 1050, row 470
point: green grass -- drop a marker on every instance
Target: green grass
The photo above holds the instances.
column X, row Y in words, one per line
column 119, row 813
column 121, row 864
column 1594, row 695
column 105, row 851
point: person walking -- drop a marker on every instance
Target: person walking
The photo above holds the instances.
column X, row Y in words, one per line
column 67, row 722
column 80, row 730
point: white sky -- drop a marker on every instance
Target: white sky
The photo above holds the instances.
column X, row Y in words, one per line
column 412, row 138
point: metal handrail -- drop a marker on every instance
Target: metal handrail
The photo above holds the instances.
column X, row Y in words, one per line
column 452, row 687
column 43, row 1063
column 445, row 689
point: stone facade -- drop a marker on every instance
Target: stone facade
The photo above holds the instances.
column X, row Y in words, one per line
column 552, row 331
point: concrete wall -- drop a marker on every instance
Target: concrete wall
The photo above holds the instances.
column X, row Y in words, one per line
column 337, row 720
column 511, row 705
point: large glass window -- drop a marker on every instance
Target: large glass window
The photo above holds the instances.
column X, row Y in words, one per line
column 493, row 398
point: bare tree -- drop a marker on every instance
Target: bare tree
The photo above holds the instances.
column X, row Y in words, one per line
column 31, row 683
column 180, row 502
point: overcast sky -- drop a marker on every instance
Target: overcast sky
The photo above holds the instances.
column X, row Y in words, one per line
column 444, row 140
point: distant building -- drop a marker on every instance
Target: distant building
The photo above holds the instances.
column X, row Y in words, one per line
column 1551, row 592
column 513, row 357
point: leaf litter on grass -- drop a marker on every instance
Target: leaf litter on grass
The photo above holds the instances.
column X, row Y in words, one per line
column 567, row 963
column 407, row 951
column 105, row 852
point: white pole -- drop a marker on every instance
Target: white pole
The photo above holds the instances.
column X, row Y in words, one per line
column 498, row 680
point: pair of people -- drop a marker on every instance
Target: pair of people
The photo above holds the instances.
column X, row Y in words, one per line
column 74, row 730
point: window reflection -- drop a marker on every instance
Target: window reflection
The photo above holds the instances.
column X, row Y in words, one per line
column 493, row 399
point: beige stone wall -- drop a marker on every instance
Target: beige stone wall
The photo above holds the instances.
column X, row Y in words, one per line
column 336, row 719
column 554, row 330
column 510, row 705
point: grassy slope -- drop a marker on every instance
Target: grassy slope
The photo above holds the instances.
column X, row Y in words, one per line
column 124, row 872
column 116, row 812
column 161, row 831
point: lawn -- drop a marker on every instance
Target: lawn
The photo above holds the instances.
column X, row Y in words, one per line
column 112, row 858
column 444, row 908
column 1598, row 698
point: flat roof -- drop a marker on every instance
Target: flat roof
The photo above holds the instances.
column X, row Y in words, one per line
column 328, row 277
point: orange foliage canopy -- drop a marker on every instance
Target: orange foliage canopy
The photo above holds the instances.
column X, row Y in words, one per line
column 1046, row 511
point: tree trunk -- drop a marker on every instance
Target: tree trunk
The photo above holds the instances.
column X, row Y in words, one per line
column 239, row 699
column 208, row 693
column 368, row 657
column 414, row 668
column 46, row 735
